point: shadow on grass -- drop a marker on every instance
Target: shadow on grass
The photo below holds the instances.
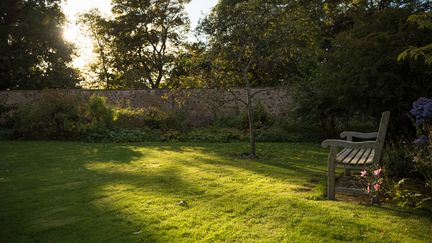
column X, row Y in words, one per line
column 278, row 162
column 46, row 191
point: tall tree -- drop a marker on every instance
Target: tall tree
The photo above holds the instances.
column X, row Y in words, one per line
column 98, row 29
column 146, row 35
column 33, row 53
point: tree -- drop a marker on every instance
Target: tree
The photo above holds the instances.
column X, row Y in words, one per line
column 146, row 35
column 359, row 75
column 258, row 42
column 98, row 28
column 191, row 68
column 137, row 47
column 33, row 53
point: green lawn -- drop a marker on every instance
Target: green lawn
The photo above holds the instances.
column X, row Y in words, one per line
column 80, row 192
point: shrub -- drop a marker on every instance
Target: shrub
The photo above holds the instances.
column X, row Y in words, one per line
column 422, row 158
column 412, row 160
column 261, row 117
column 62, row 116
column 54, row 115
column 95, row 115
column 129, row 118
column 397, row 160
column 288, row 131
column 124, row 136
column 153, row 118
column 301, row 132
column 6, row 134
column 422, row 151
column 275, row 134
column 6, row 116
column 407, row 193
column 139, row 118
column 172, row 136
column 229, row 121
column 216, row 135
column 177, row 120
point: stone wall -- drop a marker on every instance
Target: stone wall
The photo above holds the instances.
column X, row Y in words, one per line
column 201, row 104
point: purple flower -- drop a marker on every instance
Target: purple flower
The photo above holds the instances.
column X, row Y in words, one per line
column 422, row 109
column 422, row 140
column 420, row 121
column 427, row 109
column 417, row 107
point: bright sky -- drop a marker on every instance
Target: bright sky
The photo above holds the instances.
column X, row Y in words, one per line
column 196, row 9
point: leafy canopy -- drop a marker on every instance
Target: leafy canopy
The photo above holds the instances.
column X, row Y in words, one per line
column 33, row 53
column 137, row 47
column 273, row 38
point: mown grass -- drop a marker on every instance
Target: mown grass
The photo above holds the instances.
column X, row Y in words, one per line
column 80, row 192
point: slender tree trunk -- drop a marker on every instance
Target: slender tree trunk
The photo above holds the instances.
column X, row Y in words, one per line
column 249, row 105
column 251, row 120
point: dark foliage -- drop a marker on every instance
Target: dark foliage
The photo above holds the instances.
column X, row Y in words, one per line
column 33, row 53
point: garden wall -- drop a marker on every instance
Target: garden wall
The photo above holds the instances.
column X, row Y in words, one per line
column 201, row 104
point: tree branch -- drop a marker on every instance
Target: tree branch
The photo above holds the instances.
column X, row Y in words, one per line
column 259, row 91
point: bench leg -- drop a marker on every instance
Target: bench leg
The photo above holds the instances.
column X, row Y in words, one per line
column 347, row 172
column 331, row 174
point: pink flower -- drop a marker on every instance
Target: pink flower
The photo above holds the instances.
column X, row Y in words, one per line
column 368, row 188
column 377, row 186
column 363, row 173
column 377, row 172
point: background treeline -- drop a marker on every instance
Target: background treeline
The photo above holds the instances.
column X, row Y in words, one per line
column 340, row 59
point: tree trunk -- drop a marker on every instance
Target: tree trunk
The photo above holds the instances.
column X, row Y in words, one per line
column 249, row 105
column 251, row 123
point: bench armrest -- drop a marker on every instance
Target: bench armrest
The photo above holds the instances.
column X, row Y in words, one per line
column 362, row 135
column 347, row 144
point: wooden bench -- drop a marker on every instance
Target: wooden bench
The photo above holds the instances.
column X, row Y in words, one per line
column 354, row 155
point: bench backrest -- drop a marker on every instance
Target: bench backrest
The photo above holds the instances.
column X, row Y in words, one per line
column 385, row 117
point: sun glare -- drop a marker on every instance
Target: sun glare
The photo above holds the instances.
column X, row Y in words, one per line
column 72, row 31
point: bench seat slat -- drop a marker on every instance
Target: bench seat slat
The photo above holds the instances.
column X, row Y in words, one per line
column 343, row 154
column 356, row 159
column 370, row 157
column 363, row 160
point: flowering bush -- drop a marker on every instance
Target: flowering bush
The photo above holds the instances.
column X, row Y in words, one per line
column 372, row 180
column 409, row 190
column 422, row 153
